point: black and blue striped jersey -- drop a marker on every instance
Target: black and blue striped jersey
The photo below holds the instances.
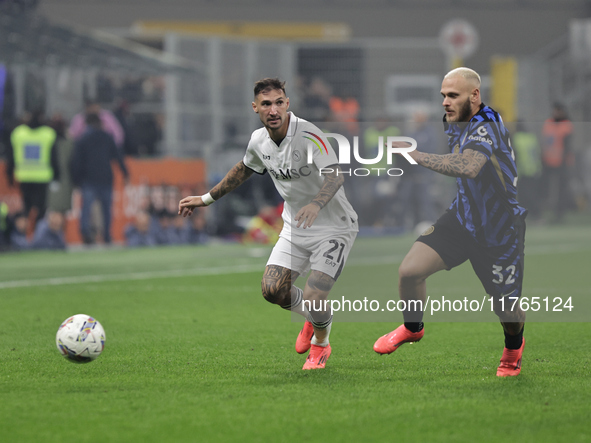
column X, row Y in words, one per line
column 487, row 204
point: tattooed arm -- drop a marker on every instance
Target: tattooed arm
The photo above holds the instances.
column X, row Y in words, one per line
column 332, row 182
column 464, row 165
column 234, row 178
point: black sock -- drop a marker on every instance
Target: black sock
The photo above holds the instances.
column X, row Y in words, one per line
column 413, row 318
column 514, row 341
column 414, row 326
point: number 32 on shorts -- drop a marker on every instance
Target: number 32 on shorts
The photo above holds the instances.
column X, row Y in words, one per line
column 499, row 275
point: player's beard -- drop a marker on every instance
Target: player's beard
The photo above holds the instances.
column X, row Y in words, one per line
column 275, row 126
column 464, row 112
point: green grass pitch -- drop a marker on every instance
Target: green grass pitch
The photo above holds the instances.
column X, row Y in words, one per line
column 194, row 353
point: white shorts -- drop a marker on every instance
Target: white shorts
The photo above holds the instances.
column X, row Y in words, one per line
column 327, row 253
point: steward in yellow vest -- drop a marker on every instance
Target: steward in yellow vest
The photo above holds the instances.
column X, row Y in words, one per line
column 371, row 136
column 33, row 162
column 4, row 238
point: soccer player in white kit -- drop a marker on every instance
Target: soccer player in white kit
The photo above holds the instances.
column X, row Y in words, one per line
column 319, row 224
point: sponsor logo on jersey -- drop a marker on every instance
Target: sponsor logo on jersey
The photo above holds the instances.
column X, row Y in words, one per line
column 316, row 142
column 290, row 173
column 482, row 136
column 482, row 131
column 480, row 139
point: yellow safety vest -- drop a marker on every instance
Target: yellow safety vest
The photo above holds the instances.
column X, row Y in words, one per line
column 3, row 216
column 527, row 149
column 32, row 153
column 371, row 138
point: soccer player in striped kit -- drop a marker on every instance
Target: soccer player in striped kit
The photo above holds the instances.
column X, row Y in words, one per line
column 484, row 224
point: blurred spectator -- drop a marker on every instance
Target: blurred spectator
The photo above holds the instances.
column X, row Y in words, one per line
column 382, row 127
column 58, row 123
column 177, row 232
column 157, row 199
column 166, row 228
column 49, row 233
column 265, row 226
column 316, row 100
column 33, row 162
column 60, row 199
column 159, row 226
column 414, row 195
column 123, row 117
column 172, row 197
column 197, row 229
column 109, row 123
column 557, row 157
column 529, row 168
column 379, row 189
column 18, row 232
column 90, row 168
column 4, row 228
column 143, row 202
column 138, row 233
column 346, row 109
column 148, row 132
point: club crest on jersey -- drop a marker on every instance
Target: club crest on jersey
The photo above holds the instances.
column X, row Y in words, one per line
column 296, row 155
column 428, row 231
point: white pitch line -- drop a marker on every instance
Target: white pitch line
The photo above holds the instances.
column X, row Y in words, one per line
column 238, row 269
column 130, row 276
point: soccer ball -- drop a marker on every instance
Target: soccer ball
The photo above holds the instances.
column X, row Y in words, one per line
column 80, row 339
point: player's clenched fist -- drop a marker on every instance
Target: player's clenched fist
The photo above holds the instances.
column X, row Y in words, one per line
column 188, row 204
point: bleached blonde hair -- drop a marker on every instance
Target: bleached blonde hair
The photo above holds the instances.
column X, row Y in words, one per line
column 467, row 73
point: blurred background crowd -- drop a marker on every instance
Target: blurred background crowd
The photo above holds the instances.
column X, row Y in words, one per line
column 97, row 97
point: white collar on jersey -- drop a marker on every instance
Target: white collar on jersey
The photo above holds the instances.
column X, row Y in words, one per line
column 293, row 125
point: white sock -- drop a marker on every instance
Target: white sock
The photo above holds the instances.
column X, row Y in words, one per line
column 325, row 341
column 297, row 306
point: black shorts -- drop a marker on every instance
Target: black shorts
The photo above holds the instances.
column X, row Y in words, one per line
column 499, row 268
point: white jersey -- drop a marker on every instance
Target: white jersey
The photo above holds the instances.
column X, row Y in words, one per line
column 297, row 181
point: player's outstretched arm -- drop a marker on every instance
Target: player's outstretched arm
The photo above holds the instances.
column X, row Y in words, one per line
column 234, row 178
column 332, row 182
column 466, row 164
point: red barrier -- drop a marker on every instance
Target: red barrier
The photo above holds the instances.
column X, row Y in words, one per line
column 173, row 178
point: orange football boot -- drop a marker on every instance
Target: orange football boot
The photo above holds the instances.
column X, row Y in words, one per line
column 317, row 357
column 304, row 340
column 511, row 361
column 390, row 342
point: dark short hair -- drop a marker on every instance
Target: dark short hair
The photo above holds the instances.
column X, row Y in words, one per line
column 268, row 84
column 558, row 106
column 93, row 119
